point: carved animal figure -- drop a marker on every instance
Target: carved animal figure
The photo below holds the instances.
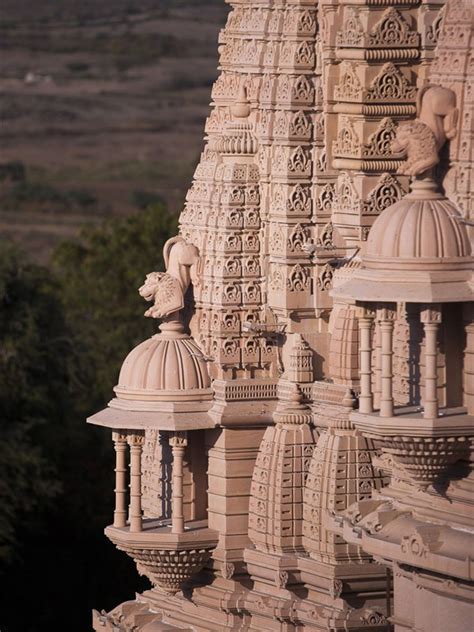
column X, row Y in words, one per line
column 417, row 141
column 421, row 140
column 167, row 289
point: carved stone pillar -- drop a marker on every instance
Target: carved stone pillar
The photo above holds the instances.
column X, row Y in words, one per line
column 120, row 446
column 431, row 318
column 135, row 441
column 469, row 359
column 365, row 330
column 386, row 317
column 178, row 443
column 377, row 365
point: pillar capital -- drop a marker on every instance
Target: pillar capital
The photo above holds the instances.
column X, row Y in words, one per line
column 136, row 438
column 386, row 312
column 179, row 439
column 366, row 311
column 430, row 314
column 119, row 436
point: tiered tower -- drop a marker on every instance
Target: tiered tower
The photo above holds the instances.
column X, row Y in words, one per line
column 308, row 400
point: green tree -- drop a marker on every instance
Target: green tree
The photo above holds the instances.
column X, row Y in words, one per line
column 100, row 276
column 63, row 336
column 33, row 379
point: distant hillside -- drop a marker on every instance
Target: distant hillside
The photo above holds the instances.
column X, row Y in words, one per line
column 102, row 110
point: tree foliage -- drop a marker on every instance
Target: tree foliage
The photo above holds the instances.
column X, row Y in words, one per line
column 63, row 336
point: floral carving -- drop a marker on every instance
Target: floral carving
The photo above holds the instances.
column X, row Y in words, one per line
column 433, row 32
column 347, row 142
column 349, row 86
column 299, row 161
column 228, row 570
column 299, row 200
column 392, row 31
column 390, row 85
column 300, row 126
column 325, row 239
column 335, row 589
column 298, row 279
column 297, row 239
column 380, row 142
column 352, row 33
column 373, row 617
column 325, row 278
column 386, row 192
column 281, row 579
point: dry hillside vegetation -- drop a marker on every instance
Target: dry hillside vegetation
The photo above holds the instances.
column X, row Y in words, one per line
column 102, row 110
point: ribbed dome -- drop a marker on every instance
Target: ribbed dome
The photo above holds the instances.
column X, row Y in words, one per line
column 163, row 364
column 418, row 251
column 423, row 229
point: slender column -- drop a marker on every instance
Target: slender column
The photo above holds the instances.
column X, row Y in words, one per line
column 365, row 329
column 386, row 317
column 431, row 318
column 178, row 442
column 469, row 359
column 135, row 441
column 120, row 445
column 378, row 365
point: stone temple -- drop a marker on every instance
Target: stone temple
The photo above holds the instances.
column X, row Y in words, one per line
column 300, row 433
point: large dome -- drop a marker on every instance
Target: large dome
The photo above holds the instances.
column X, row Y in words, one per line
column 418, row 233
column 418, row 250
column 164, row 368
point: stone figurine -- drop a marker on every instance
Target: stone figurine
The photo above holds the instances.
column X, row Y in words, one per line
column 168, row 289
column 422, row 139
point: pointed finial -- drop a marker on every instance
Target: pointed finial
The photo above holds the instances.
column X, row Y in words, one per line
column 241, row 107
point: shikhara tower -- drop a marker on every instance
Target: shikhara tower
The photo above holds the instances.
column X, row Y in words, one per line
column 300, row 432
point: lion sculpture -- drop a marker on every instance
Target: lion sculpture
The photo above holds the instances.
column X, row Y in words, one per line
column 421, row 140
column 167, row 289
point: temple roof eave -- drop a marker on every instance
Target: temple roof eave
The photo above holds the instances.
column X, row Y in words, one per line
column 408, row 287
column 170, row 418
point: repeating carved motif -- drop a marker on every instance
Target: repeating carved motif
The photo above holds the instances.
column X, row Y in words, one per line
column 390, row 85
column 325, row 277
column 299, row 200
column 276, row 279
column 349, row 86
column 298, row 279
column 387, row 191
column 326, row 198
column 300, row 126
column 346, row 197
column 325, row 240
column 352, row 33
column 392, row 30
column 299, row 162
column 347, row 142
column 434, row 30
column 168, row 569
column 297, row 239
column 380, row 142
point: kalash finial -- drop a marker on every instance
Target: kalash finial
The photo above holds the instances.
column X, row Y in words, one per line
column 291, row 410
column 241, row 108
column 421, row 140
